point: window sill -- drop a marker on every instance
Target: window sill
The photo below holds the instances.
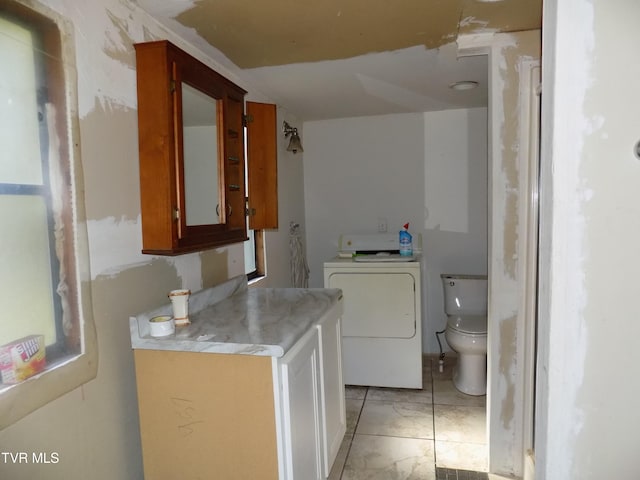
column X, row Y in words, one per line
column 256, row 281
column 20, row 399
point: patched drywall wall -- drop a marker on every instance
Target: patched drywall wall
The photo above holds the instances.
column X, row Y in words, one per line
column 588, row 413
column 507, row 54
column 94, row 429
column 507, row 339
column 111, row 172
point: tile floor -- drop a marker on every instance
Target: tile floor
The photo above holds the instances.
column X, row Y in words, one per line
column 404, row 434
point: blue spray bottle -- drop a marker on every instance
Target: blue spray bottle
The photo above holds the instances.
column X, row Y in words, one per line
column 406, row 247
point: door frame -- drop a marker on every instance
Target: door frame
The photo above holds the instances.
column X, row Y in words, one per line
column 530, row 89
column 507, row 292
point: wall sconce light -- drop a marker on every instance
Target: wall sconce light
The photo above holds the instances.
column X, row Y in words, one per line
column 294, row 142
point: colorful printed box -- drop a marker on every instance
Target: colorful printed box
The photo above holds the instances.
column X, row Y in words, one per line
column 22, row 359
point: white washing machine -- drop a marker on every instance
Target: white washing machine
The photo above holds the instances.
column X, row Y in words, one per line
column 382, row 321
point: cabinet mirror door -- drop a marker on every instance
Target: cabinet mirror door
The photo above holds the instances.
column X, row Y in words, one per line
column 191, row 169
column 200, row 157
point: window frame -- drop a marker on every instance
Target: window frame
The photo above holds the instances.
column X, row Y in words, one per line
column 69, row 372
column 259, row 250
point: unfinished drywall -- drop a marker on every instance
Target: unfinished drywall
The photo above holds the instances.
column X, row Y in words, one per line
column 273, row 33
column 588, row 389
column 93, row 430
column 507, row 251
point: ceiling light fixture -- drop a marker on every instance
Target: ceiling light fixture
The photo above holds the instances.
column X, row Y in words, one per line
column 294, row 143
column 463, row 85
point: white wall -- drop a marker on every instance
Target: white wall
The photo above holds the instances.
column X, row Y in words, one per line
column 290, row 209
column 455, row 230
column 94, row 429
column 358, row 170
column 588, row 385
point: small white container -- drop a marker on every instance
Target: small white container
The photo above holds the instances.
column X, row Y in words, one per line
column 161, row 326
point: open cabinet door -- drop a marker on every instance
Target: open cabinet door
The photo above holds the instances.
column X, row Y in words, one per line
column 262, row 166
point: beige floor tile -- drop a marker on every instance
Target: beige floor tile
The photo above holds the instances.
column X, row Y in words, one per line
column 389, row 458
column 401, row 394
column 445, row 393
column 353, row 407
column 394, row 429
column 411, row 420
column 427, row 366
column 355, row 391
column 341, row 458
column 463, row 456
column 460, row 424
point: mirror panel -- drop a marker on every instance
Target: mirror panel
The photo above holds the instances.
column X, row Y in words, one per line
column 200, row 151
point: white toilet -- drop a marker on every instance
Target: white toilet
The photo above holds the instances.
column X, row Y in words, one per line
column 465, row 303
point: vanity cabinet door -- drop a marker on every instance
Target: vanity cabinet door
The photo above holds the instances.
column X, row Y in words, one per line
column 332, row 389
column 302, row 409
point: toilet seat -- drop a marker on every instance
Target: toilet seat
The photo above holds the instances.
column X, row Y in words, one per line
column 468, row 324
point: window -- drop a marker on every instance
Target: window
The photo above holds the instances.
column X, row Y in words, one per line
column 41, row 266
column 254, row 266
column 254, row 253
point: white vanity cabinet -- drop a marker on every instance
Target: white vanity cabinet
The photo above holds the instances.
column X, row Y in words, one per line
column 302, row 410
column 313, row 403
column 332, row 388
column 266, row 409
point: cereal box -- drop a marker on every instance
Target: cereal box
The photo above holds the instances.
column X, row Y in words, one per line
column 22, row 359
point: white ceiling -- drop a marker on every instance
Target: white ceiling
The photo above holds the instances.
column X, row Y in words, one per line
column 410, row 80
column 299, row 62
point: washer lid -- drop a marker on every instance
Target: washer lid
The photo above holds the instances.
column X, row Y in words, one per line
column 474, row 324
column 383, row 257
column 374, row 242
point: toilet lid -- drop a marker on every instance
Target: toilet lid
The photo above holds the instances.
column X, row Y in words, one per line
column 475, row 324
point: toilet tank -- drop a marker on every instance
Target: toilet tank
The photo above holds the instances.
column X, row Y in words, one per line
column 464, row 294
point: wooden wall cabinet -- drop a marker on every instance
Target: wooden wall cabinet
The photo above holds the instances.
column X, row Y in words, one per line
column 191, row 147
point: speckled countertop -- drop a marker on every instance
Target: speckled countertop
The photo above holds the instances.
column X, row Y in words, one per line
column 234, row 319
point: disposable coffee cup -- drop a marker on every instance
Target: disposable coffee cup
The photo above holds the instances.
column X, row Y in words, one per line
column 180, row 304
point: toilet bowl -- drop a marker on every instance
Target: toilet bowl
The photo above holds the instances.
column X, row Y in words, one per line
column 470, row 374
column 466, row 332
